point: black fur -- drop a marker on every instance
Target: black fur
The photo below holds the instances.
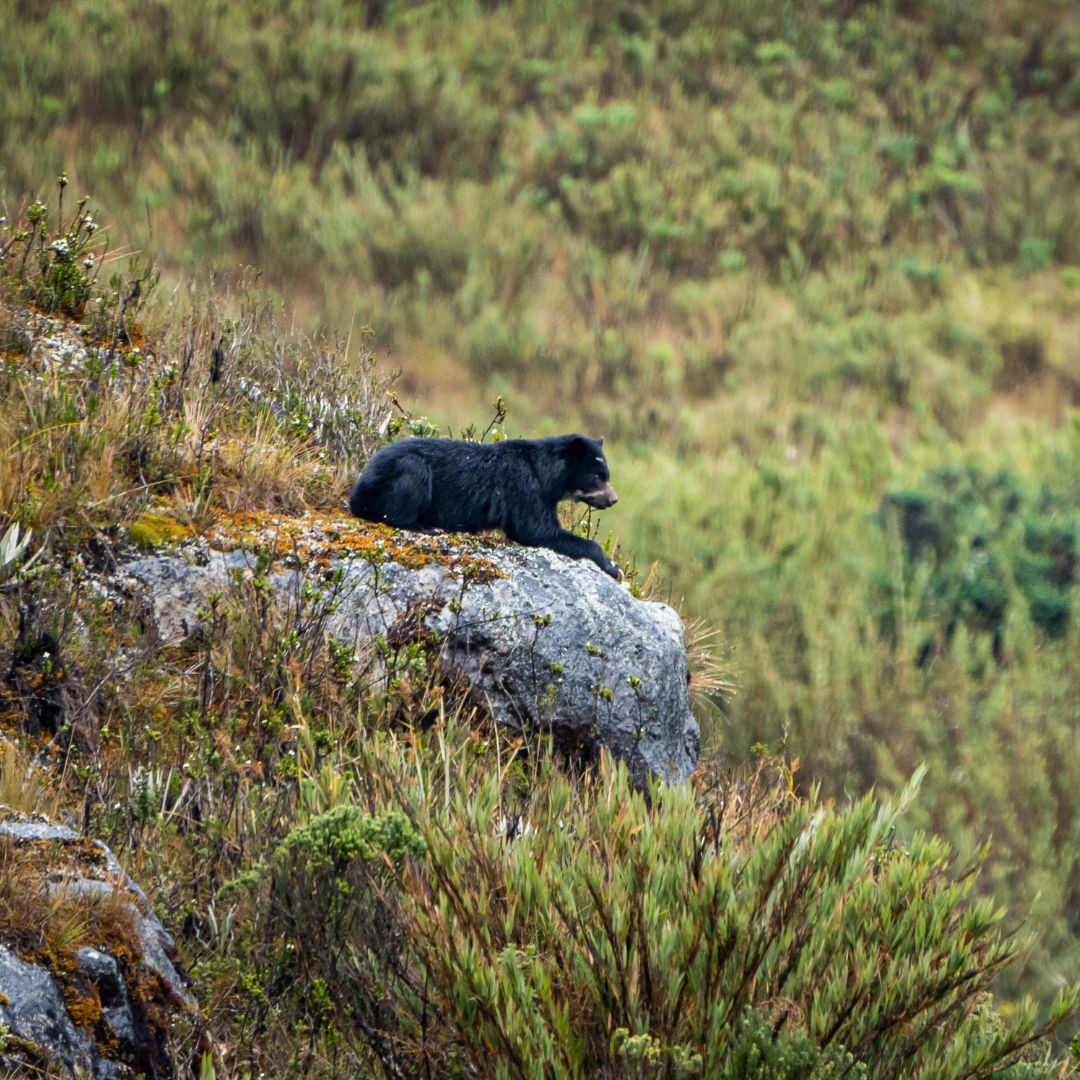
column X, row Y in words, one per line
column 468, row 487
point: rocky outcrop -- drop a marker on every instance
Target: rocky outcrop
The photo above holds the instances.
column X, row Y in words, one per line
column 89, row 980
column 538, row 641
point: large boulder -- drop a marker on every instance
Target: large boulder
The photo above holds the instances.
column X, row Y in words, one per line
column 89, row 978
column 540, row 642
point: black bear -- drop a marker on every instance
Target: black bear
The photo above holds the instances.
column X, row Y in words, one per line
column 467, row 487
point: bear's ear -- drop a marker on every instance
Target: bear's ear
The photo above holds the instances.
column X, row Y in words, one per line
column 586, row 442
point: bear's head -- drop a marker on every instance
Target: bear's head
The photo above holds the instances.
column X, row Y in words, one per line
column 587, row 476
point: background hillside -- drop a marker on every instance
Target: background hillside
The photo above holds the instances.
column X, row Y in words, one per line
column 813, row 269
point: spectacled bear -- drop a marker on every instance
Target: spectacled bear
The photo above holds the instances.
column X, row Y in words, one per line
column 513, row 485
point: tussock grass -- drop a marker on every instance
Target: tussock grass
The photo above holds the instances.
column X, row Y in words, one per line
column 24, row 784
column 228, row 408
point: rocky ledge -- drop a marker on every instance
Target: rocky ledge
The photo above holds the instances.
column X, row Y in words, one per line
column 538, row 641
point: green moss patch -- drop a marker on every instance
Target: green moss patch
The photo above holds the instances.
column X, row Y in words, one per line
column 156, row 529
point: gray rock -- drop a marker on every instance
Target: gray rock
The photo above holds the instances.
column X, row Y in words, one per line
column 32, row 1003
column 179, row 591
column 32, row 1008
column 99, row 879
column 540, row 641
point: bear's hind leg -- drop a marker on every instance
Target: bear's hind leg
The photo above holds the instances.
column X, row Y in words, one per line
column 406, row 500
column 399, row 496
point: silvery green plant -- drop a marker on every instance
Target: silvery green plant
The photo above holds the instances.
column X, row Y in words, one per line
column 13, row 545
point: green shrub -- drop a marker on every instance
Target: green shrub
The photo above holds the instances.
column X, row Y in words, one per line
column 984, row 541
column 543, row 926
column 57, row 268
column 319, row 869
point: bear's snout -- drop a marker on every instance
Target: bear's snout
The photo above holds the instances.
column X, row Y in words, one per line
column 600, row 499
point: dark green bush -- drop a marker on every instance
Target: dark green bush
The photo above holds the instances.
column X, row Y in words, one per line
column 986, row 542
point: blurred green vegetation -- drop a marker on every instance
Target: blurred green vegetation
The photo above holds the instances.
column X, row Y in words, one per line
column 793, row 260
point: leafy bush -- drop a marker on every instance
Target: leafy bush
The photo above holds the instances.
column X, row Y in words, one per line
column 584, row 929
column 57, row 269
column 984, row 541
column 820, row 616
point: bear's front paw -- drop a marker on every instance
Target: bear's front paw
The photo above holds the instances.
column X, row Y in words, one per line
column 614, row 571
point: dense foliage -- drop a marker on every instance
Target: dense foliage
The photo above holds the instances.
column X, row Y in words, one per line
column 977, row 535
column 811, row 268
column 511, row 921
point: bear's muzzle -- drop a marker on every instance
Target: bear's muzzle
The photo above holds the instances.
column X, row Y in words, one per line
column 600, row 499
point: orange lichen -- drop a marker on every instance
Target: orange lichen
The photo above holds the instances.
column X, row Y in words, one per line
column 84, row 1009
column 320, row 539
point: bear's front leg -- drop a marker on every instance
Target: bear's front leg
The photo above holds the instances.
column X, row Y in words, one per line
column 578, row 547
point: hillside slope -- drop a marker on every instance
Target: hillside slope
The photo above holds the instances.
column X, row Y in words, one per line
column 811, row 268
column 361, row 875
